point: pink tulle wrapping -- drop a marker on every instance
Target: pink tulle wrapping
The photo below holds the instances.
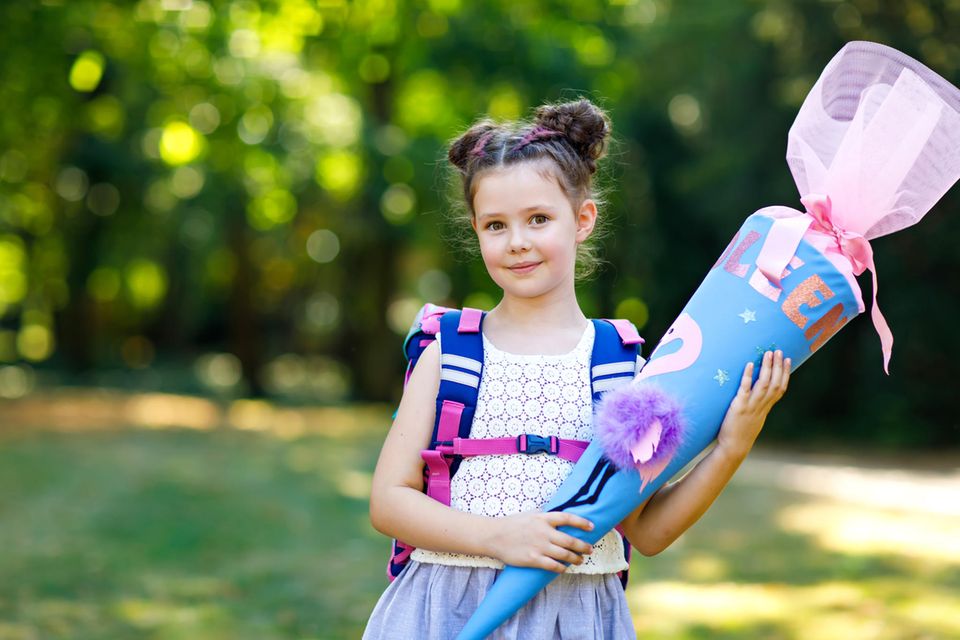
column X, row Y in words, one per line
column 879, row 133
column 624, row 417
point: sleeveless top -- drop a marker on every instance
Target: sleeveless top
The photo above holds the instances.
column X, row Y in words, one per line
column 546, row 395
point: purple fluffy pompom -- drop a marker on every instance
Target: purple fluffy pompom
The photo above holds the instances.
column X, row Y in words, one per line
column 627, row 417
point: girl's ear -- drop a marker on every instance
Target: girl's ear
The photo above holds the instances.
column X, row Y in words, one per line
column 586, row 219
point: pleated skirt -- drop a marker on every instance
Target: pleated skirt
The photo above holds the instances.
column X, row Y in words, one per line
column 434, row 601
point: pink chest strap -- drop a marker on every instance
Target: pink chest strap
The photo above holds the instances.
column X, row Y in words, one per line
column 438, row 460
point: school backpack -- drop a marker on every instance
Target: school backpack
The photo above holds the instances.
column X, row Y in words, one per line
column 614, row 361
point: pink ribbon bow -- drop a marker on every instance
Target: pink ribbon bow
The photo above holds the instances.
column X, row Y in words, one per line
column 785, row 236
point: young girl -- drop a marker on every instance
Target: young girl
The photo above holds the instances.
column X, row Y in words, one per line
column 531, row 203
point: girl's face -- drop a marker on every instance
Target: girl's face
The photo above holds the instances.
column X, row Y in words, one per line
column 528, row 230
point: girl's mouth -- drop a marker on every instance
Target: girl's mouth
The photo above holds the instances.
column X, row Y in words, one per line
column 524, row 267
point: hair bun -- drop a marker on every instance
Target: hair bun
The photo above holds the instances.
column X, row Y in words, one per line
column 583, row 123
column 464, row 148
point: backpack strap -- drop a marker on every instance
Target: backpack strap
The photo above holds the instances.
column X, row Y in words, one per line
column 461, row 365
column 627, row 331
column 422, row 332
column 616, row 355
column 461, row 360
column 614, row 362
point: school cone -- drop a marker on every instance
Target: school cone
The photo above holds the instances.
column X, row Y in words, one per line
column 875, row 145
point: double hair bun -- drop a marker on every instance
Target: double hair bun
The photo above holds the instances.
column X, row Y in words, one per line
column 583, row 125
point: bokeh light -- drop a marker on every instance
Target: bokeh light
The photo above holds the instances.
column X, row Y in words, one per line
column 103, row 199
column 146, row 283
column 255, row 124
column 401, row 312
column 106, row 116
column 35, row 342
column 16, row 381
column 13, row 277
column 271, row 208
column 104, row 284
column 334, row 119
column 205, row 117
column 340, row 173
column 434, row 285
column 219, row 372
column 397, row 203
column 72, row 184
column 180, row 143
column 321, row 312
column 186, row 182
column 323, row 245
column 684, row 112
column 87, row 70
column 635, row 310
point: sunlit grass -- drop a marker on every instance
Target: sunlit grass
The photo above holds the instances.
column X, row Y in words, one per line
column 828, row 611
column 852, row 530
column 100, row 410
column 789, row 552
column 162, row 516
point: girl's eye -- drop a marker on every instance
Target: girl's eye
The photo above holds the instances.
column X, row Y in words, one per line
column 539, row 219
column 495, row 225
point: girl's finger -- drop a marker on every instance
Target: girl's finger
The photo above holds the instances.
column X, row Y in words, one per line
column 551, row 565
column 763, row 382
column 569, row 542
column 776, row 376
column 746, row 379
column 564, row 555
column 564, row 519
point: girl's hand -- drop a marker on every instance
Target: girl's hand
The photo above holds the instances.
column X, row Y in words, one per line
column 532, row 540
column 750, row 407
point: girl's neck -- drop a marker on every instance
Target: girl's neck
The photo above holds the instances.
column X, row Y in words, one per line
column 529, row 314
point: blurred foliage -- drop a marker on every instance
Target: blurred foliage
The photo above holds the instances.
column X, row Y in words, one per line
column 254, row 192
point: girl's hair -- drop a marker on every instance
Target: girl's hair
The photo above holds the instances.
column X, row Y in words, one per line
column 570, row 136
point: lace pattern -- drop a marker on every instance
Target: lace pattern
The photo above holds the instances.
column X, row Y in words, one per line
column 547, row 395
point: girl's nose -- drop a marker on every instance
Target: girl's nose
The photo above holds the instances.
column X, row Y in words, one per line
column 519, row 241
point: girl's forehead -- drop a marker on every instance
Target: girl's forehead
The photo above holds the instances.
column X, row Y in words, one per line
column 516, row 187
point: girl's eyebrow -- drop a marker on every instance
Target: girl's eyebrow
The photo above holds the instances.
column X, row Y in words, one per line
column 536, row 207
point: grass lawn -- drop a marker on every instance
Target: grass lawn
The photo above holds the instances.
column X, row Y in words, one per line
column 223, row 532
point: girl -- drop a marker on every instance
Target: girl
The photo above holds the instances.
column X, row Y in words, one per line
column 531, row 203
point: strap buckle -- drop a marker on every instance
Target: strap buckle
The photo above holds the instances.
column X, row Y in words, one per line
column 531, row 443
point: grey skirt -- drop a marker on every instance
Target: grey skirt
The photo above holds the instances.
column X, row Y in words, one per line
column 434, row 601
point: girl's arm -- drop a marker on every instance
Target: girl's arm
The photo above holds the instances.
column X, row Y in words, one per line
column 653, row 526
column 400, row 509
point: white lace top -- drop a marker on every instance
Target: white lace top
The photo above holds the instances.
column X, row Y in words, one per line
column 547, row 395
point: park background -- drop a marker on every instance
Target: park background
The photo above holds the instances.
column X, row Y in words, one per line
column 217, row 220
